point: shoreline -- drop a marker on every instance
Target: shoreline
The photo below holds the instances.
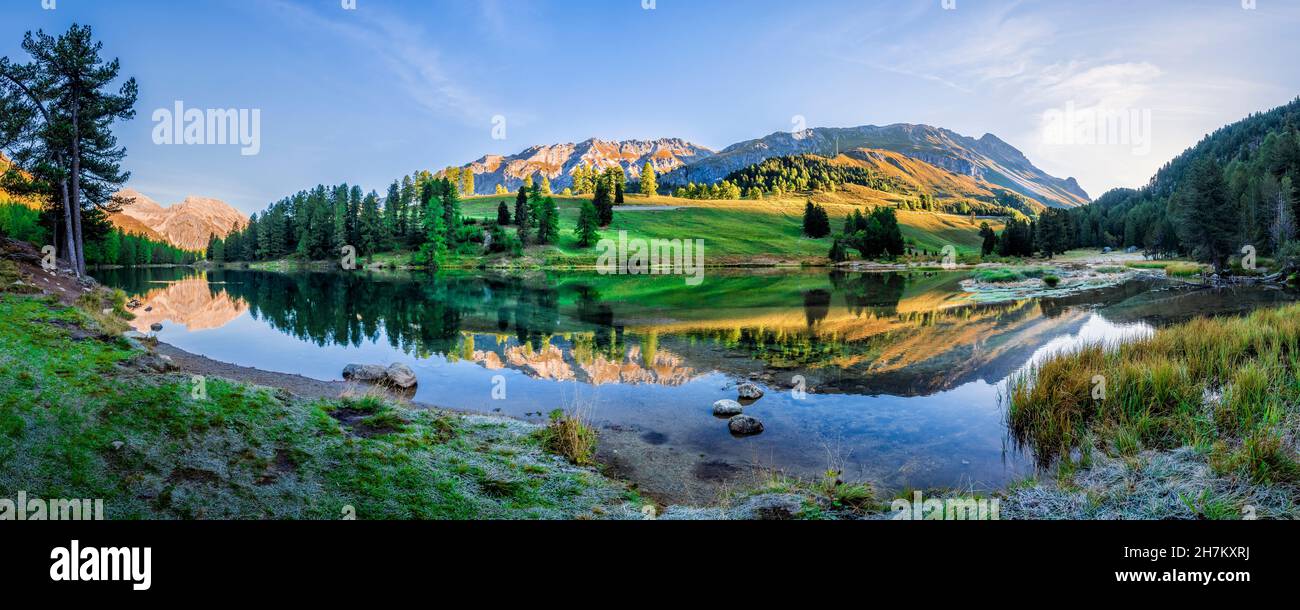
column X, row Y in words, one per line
column 659, row 472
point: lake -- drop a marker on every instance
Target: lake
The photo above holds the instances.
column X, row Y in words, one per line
column 895, row 378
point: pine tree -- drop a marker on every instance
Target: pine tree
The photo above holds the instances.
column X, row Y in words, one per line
column 601, row 201
column 434, row 248
column 370, row 228
column 392, row 207
column 451, row 218
column 990, row 239
column 649, row 184
column 68, row 83
column 816, row 223
column 521, row 208
column 404, row 208
column 548, row 222
column 588, row 229
column 838, row 252
column 1206, row 214
column 503, row 214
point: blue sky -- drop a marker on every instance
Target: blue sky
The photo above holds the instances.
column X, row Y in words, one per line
column 366, row 95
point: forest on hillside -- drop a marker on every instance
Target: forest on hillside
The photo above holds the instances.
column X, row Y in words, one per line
column 1237, row 187
column 421, row 213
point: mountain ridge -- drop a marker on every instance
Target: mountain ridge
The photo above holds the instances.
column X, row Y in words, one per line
column 678, row 162
column 557, row 161
column 988, row 158
column 186, row 224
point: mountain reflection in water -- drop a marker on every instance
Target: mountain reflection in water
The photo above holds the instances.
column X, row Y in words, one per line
column 904, row 371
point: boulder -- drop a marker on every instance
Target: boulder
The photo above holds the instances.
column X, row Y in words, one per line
column 744, row 425
column 367, row 373
column 156, row 326
column 400, row 376
column 749, row 391
column 727, row 408
column 394, row 375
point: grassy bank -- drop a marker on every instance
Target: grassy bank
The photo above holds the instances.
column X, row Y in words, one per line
column 83, row 413
column 1227, row 388
column 1171, row 268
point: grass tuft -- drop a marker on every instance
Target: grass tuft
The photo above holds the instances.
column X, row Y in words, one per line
column 570, row 435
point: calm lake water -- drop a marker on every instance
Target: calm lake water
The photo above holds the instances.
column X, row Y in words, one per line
column 903, row 372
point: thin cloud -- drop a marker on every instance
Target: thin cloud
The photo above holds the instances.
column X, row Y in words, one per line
column 401, row 47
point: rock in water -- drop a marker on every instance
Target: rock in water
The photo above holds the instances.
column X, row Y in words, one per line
column 727, row 408
column 749, row 391
column 401, row 376
column 368, row 373
column 744, row 425
column 394, row 375
column 156, row 326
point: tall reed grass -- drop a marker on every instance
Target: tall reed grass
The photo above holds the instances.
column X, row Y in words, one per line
column 1225, row 385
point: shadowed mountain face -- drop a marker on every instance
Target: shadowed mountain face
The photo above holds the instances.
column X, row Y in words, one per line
column 987, row 159
column 187, row 224
column 556, row 162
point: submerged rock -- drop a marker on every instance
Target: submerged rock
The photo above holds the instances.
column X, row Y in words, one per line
column 749, row 391
column 727, row 408
column 745, row 425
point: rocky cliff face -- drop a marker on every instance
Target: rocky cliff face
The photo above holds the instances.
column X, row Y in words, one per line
column 987, row 159
column 557, row 161
column 186, row 224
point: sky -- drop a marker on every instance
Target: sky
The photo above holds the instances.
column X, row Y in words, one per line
column 364, row 91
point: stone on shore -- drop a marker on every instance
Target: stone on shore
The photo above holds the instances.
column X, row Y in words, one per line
column 395, row 375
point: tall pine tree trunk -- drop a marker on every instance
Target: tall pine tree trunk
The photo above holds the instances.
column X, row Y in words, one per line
column 69, row 236
column 78, row 245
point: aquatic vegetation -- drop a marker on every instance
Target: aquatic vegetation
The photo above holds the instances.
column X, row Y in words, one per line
column 1001, row 275
column 1226, row 386
column 1171, row 268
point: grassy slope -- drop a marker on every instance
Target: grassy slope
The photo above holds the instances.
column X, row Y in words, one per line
column 749, row 231
column 68, row 394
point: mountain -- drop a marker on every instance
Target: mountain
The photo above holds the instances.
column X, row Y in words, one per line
column 987, row 159
column 915, row 176
column 185, row 225
column 557, row 161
